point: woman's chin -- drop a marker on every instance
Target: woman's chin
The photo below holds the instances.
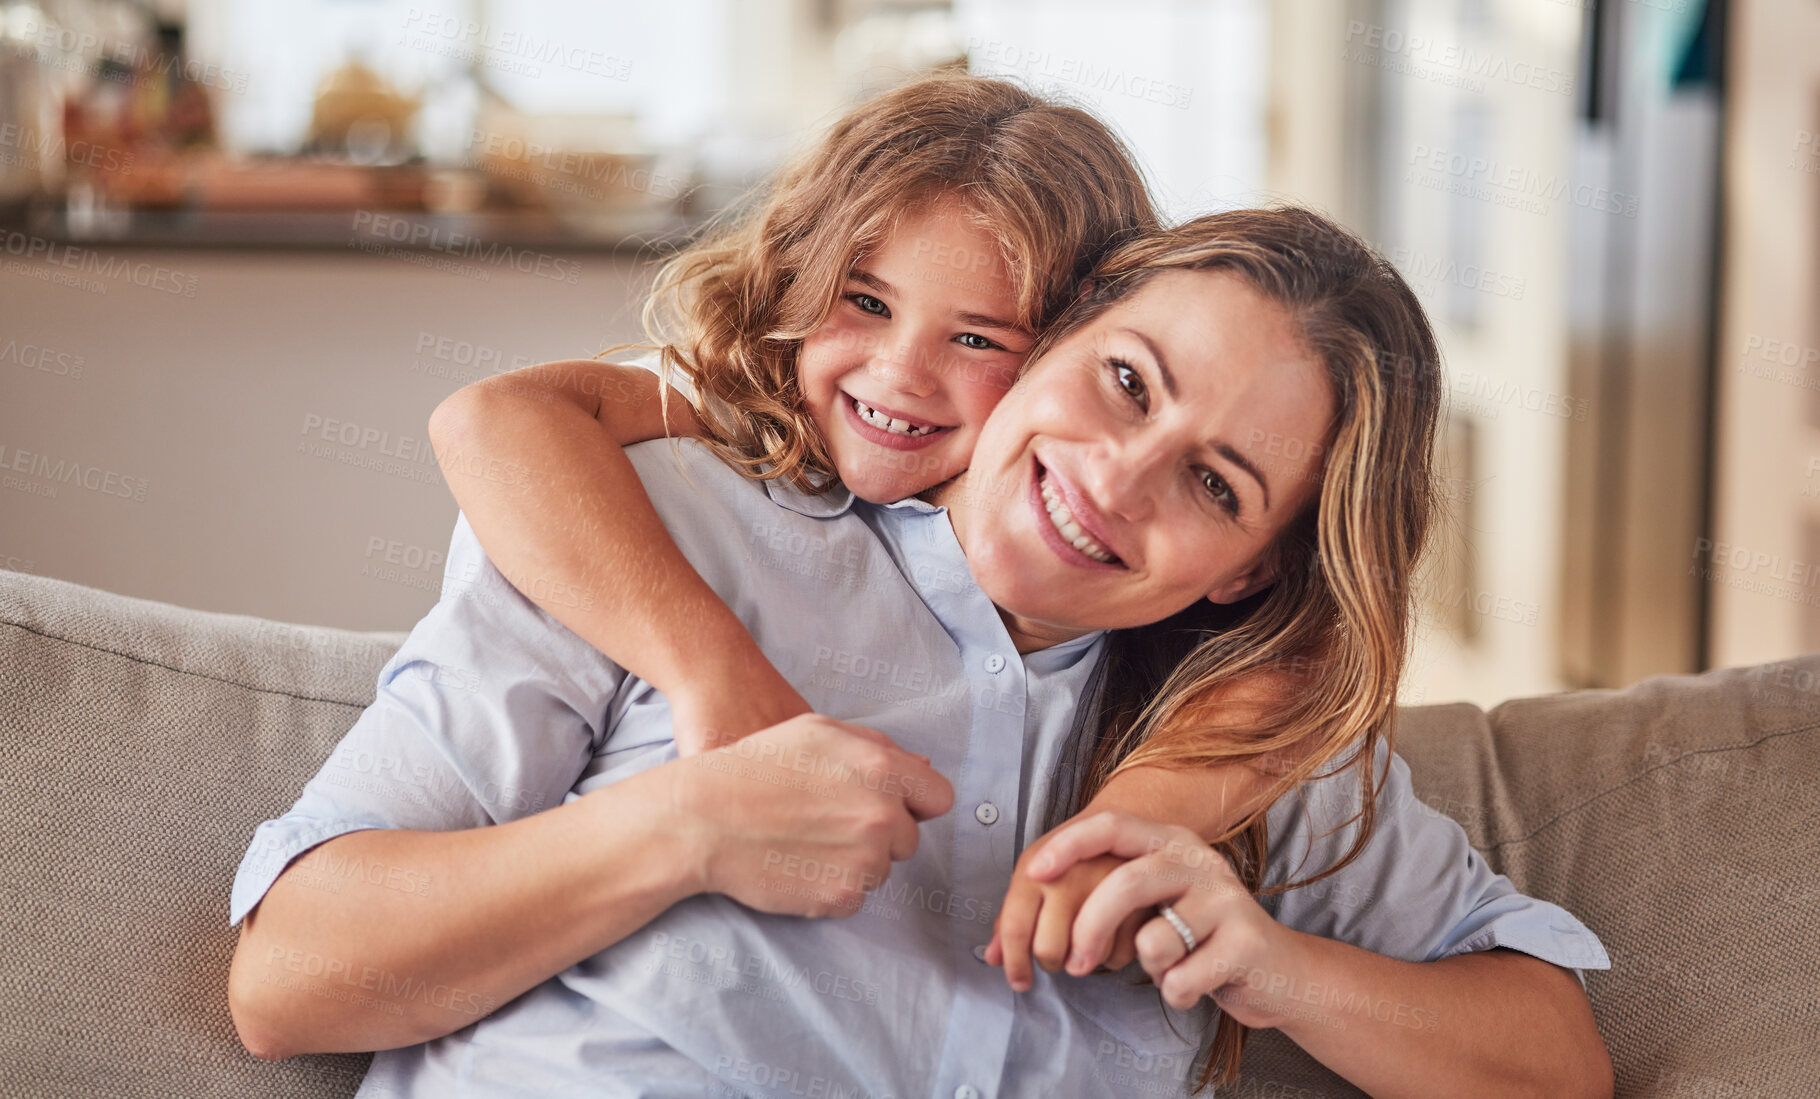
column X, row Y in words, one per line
column 1025, row 598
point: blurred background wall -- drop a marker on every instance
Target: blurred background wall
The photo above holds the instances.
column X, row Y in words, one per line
column 246, row 248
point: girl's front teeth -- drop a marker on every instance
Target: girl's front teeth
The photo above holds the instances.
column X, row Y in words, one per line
column 1070, row 530
column 885, row 423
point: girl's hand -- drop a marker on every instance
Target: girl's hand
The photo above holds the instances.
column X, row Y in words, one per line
column 1252, row 966
column 801, row 819
column 1037, row 918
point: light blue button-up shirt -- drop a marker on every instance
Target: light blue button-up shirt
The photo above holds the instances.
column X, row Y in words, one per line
column 492, row 711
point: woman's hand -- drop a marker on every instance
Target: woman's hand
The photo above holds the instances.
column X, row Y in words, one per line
column 1240, row 956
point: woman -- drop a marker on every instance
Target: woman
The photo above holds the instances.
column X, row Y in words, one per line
column 1142, row 421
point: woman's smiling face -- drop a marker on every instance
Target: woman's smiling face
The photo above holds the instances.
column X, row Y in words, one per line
column 1147, row 461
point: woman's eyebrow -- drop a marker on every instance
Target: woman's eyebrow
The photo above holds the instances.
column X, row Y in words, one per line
column 1231, row 454
column 1223, row 449
column 1156, row 356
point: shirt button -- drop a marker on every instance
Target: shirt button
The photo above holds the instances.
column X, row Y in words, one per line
column 966, row 1091
column 986, row 813
column 979, row 952
column 995, row 663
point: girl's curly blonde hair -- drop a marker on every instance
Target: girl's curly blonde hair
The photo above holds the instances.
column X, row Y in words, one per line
column 1050, row 183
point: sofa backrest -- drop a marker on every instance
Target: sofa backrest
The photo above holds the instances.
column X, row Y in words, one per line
column 140, row 744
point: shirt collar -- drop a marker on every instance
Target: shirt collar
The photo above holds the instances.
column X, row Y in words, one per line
column 1065, row 654
column 917, row 503
column 836, row 501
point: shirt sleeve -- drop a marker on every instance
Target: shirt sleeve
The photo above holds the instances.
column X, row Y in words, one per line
column 682, row 384
column 1418, row 892
column 490, row 711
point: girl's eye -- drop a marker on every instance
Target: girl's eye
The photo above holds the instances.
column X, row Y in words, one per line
column 976, row 341
column 870, row 304
column 1130, row 381
column 1219, row 490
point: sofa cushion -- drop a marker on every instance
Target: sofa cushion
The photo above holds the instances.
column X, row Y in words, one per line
column 140, row 744
column 1680, row 820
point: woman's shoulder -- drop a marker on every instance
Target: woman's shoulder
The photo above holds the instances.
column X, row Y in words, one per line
column 689, row 468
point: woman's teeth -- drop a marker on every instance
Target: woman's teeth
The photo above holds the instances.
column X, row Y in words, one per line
column 885, row 423
column 1070, row 530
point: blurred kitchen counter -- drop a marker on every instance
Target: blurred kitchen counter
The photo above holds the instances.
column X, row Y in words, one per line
column 461, row 235
column 204, row 199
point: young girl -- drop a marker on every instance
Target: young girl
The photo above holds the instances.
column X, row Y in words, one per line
column 858, row 326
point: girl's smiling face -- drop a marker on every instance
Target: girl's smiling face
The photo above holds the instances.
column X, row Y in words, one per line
column 1146, row 461
column 921, row 345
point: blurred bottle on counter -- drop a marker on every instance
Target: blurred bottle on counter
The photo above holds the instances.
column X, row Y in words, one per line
column 360, row 116
column 145, row 111
column 32, row 88
column 176, row 110
column 99, row 104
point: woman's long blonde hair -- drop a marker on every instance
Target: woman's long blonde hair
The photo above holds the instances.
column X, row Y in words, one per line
column 1050, row 183
column 1300, row 679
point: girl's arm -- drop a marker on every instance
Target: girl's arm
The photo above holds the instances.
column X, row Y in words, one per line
column 1492, row 1023
column 536, row 460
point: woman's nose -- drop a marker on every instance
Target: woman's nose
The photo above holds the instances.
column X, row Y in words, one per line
column 1123, row 476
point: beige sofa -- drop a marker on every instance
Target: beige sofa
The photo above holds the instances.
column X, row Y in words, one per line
column 141, row 743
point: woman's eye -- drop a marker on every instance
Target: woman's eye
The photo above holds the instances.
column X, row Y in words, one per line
column 1219, row 490
column 976, row 341
column 869, row 303
column 1130, row 381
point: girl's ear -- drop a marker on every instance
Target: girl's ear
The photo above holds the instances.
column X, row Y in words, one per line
column 1086, row 287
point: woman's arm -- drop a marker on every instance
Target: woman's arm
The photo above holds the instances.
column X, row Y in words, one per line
column 1491, row 1023
column 1494, row 1023
column 536, row 460
column 331, row 961
column 434, row 930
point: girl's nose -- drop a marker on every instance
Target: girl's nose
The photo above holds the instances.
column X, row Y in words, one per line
column 908, row 366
